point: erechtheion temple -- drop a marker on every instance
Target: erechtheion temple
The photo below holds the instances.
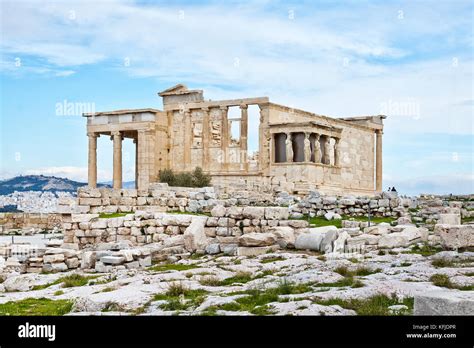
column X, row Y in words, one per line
column 297, row 149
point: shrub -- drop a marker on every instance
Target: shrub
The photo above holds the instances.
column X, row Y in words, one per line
column 197, row 178
column 167, row 176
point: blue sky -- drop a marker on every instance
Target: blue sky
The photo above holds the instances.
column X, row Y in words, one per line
column 411, row 60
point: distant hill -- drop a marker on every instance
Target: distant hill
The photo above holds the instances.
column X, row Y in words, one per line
column 125, row 184
column 39, row 183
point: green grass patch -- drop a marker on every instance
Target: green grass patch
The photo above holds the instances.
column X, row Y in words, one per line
column 108, row 289
column 172, row 267
column 373, row 219
column 353, row 260
column 273, row 259
column 113, row 307
column 443, row 263
column 69, row 281
column 239, row 278
column 424, row 250
column 113, row 215
column 347, row 281
column 36, row 306
column 256, row 301
column 179, row 297
column 319, row 221
column 375, row 305
column 442, row 280
column 103, row 281
column 359, row 271
column 467, row 220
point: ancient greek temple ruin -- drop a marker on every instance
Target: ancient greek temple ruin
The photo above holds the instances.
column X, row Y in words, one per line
column 297, row 150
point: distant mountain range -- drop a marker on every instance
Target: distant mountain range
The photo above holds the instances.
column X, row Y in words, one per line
column 46, row 183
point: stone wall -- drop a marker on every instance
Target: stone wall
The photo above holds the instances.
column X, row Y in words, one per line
column 28, row 221
column 161, row 198
column 224, row 225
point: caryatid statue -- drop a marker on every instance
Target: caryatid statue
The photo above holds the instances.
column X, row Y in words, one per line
column 307, row 148
column 327, row 146
column 289, row 148
column 317, row 149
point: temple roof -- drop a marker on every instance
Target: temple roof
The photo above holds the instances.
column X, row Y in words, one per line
column 177, row 90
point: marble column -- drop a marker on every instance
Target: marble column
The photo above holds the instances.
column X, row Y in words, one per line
column 142, row 160
column 188, row 136
column 135, row 141
column 244, row 119
column 224, row 137
column 92, row 165
column 205, row 139
column 337, row 152
column 378, row 160
column 117, row 179
column 264, row 140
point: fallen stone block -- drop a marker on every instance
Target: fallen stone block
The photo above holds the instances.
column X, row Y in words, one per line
column 195, row 237
column 449, row 219
column 257, row 239
column 444, row 303
column 112, row 260
column 454, row 237
column 255, row 251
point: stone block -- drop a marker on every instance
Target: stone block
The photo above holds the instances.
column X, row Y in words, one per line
column 83, row 217
column 112, row 260
column 257, row 239
column 455, row 236
column 442, row 302
column 253, row 212
column 276, row 213
column 449, row 219
column 255, row 251
column 55, row 258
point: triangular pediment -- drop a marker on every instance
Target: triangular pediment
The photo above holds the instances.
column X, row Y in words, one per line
column 177, row 89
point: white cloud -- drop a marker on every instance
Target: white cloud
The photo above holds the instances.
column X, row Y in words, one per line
column 435, row 184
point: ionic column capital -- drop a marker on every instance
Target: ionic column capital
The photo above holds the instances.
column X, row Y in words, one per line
column 116, row 133
column 244, row 106
column 93, row 135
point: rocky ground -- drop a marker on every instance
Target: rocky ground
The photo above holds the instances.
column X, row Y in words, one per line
column 278, row 283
